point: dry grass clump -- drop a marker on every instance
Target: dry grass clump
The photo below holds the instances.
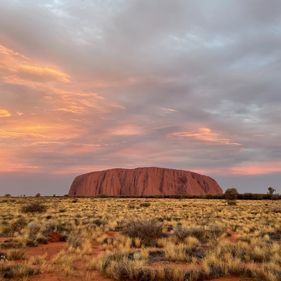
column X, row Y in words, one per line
column 11, row 244
column 16, row 271
column 16, row 255
column 126, row 267
column 75, row 240
column 148, row 231
column 203, row 234
column 15, row 226
column 34, row 207
column 63, row 229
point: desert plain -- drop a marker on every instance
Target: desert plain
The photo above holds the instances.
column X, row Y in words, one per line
column 147, row 239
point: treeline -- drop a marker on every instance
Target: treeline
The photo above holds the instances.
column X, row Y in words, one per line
column 239, row 196
column 242, row 196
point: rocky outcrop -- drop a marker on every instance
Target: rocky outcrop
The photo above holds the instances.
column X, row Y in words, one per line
column 143, row 182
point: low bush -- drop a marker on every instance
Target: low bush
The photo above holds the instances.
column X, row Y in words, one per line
column 16, row 271
column 34, row 208
column 15, row 226
column 148, row 231
column 16, row 255
column 75, row 240
column 11, row 243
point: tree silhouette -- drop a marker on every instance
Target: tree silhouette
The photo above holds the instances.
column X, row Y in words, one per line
column 271, row 190
column 231, row 194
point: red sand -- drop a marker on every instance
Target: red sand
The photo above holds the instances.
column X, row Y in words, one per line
column 50, row 249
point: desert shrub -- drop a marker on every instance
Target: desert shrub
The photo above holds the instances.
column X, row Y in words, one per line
column 276, row 210
column 19, row 224
column 275, row 235
column 148, row 231
column 3, row 256
column 98, row 222
column 63, row 229
column 33, row 228
column 16, row 255
column 215, row 231
column 231, row 194
column 16, row 271
column 34, row 208
column 145, row 204
column 123, row 267
column 202, row 234
column 181, row 233
column 42, row 240
column 116, row 266
column 30, row 242
column 11, row 244
column 245, row 252
column 75, row 240
column 231, row 202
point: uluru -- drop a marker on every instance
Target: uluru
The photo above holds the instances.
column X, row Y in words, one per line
column 147, row 181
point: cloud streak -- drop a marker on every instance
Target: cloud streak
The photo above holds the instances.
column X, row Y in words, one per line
column 205, row 135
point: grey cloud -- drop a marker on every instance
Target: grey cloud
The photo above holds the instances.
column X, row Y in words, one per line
column 216, row 64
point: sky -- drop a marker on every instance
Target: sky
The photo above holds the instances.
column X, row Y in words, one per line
column 186, row 84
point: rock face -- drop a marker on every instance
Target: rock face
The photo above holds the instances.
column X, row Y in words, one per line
column 143, row 182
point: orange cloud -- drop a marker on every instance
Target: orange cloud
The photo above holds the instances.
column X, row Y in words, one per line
column 257, row 168
column 9, row 162
column 16, row 68
column 246, row 169
column 37, row 131
column 44, row 71
column 128, row 130
column 206, row 135
column 4, row 113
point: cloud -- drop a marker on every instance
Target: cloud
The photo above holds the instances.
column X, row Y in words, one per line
column 205, row 135
column 257, row 168
column 184, row 84
column 4, row 113
column 42, row 72
column 127, row 130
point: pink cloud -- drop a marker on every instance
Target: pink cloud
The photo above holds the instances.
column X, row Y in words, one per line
column 206, row 135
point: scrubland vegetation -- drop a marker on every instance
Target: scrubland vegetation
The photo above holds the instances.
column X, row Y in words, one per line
column 139, row 239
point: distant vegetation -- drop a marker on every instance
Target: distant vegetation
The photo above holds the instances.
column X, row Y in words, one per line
column 34, row 207
column 240, row 196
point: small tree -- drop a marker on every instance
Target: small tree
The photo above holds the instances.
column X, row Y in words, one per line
column 231, row 194
column 271, row 190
